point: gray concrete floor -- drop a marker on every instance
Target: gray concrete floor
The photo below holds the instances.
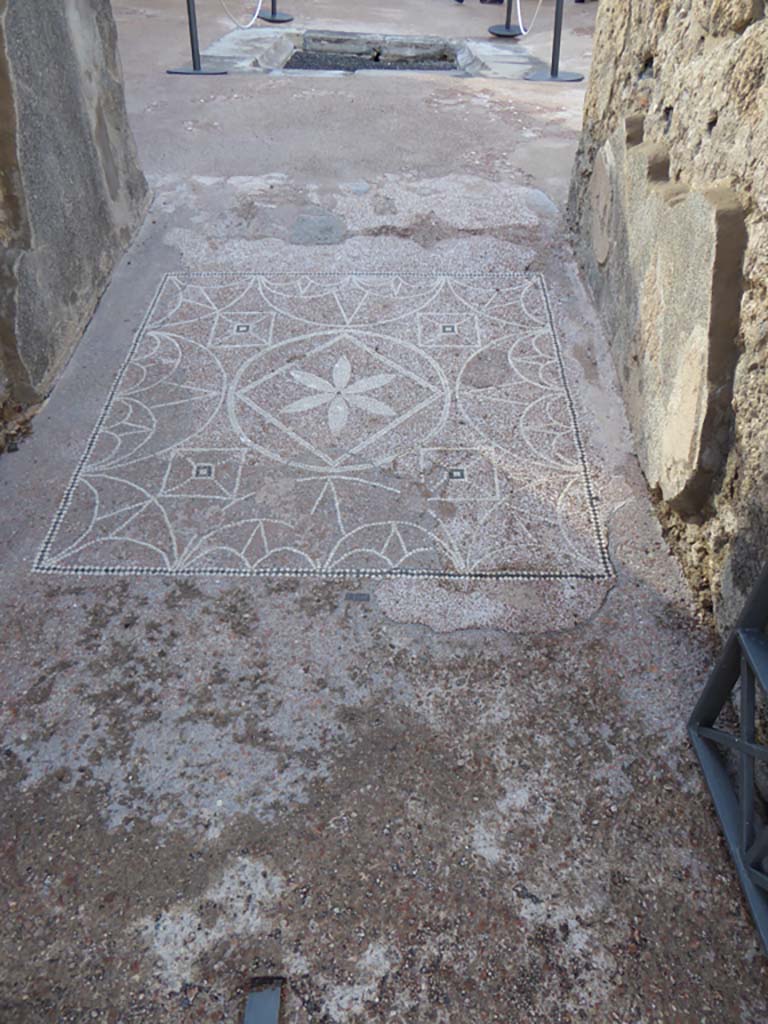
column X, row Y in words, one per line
column 457, row 800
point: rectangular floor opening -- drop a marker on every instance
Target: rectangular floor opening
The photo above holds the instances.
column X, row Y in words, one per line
column 314, row 60
column 354, row 51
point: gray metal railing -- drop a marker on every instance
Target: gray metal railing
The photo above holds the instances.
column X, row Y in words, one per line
column 728, row 758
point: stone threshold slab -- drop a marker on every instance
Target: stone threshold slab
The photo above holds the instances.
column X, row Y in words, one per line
column 269, row 50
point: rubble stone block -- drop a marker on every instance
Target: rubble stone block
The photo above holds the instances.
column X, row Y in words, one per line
column 666, row 270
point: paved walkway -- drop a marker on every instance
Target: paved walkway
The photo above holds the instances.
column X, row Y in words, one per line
column 354, row 653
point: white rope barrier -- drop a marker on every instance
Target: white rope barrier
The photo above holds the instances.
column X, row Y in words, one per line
column 525, row 30
column 254, row 19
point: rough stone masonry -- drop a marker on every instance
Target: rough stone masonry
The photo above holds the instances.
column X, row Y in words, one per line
column 669, row 201
column 71, row 192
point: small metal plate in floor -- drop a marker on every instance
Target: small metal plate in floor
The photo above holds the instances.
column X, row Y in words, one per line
column 337, row 425
column 312, row 61
column 263, row 1004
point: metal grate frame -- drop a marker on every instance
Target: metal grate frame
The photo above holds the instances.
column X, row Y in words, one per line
column 744, row 662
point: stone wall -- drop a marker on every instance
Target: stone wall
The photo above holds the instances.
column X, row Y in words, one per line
column 669, row 203
column 71, row 192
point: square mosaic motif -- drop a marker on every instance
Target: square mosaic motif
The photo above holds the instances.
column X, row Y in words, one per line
column 337, row 425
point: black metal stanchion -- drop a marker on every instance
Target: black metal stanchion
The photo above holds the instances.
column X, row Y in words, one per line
column 507, row 29
column 275, row 15
column 194, row 41
column 555, row 74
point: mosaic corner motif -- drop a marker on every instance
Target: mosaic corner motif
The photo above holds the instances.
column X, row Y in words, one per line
column 337, row 425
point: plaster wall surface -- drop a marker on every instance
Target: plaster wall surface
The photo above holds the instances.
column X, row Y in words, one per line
column 694, row 76
column 71, row 192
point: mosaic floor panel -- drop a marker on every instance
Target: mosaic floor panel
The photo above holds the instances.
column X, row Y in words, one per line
column 337, row 425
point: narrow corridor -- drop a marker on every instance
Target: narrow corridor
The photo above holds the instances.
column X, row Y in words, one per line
column 353, row 653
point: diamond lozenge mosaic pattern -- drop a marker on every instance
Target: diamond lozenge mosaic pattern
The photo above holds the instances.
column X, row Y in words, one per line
column 337, row 425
